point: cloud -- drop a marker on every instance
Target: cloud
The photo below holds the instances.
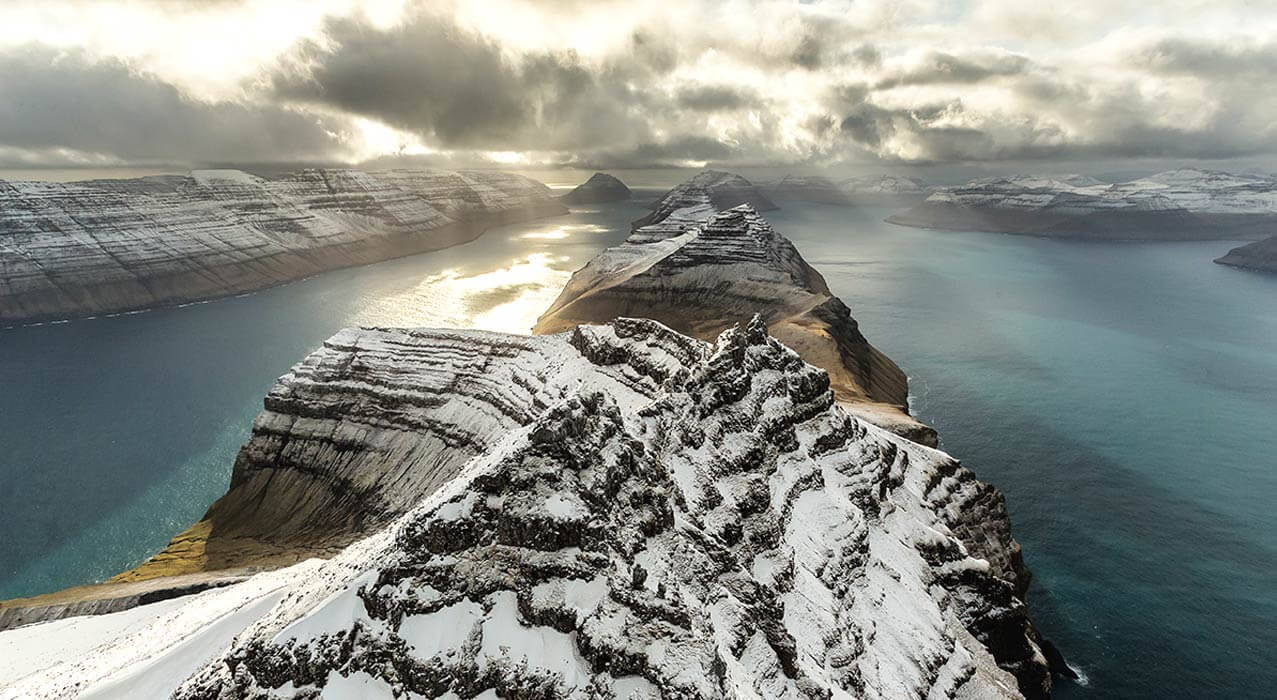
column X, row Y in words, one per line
column 937, row 67
column 1206, row 58
column 458, row 89
column 102, row 111
column 613, row 83
column 717, row 98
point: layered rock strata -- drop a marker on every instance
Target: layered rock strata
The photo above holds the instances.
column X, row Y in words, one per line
column 600, row 188
column 703, row 275
column 637, row 514
column 106, row 246
column 1183, row 204
column 703, row 194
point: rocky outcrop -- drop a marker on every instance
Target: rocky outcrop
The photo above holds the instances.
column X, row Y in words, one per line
column 702, row 276
column 640, row 514
column 105, row 246
column 600, row 188
column 1260, row 255
column 1183, row 204
column 692, row 201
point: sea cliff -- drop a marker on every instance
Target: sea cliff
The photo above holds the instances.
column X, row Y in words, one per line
column 109, row 246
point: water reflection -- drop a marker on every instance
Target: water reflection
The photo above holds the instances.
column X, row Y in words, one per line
column 559, row 232
column 508, row 299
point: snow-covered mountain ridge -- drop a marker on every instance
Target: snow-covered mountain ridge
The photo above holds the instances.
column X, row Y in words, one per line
column 702, row 269
column 1174, row 205
column 665, row 517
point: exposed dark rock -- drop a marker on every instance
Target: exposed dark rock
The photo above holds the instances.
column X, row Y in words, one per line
column 1260, row 255
column 582, row 534
column 703, row 275
column 705, row 193
column 600, row 188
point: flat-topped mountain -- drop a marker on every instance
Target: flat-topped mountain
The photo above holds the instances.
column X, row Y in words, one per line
column 1186, row 204
column 103, row 246
column 616, row 511
column 807, row 188
column 706, row 192
column 1260, row 255
column 600, row 188
column 886, row 185
column 883, row 190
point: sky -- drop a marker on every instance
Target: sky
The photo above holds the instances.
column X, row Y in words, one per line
column 597, row 83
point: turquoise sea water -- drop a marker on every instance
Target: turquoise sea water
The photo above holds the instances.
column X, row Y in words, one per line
column 1123, row 396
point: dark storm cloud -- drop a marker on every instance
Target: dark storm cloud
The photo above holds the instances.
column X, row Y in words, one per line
column 1207, row 59
column 460, row 90
column 64, row 101
column 938, row 68
column 717, row 98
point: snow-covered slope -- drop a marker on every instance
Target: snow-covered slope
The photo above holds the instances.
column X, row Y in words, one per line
column 1175, row 205
column 103, row 246
column 885, row 190
column 648, row 516
column 702, row 271
column 705, row 193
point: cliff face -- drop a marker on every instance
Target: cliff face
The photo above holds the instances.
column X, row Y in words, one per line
column 1183, row 204
column 84, row 248
column 703, row 194
column 1260, row 255
column 702, row 272
column 881, row 191
column 636, row 512
column 601, row 187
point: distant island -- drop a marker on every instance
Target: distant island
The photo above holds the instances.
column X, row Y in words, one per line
column 599, row 189
column 881, row 191
column 1185, row 204
column 1260, row 255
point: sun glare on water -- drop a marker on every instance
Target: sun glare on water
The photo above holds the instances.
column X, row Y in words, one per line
column 508, row 299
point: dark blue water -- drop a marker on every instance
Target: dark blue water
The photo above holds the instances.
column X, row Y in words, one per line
column 1122, row 395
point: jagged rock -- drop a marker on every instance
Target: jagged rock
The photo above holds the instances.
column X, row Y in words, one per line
column 600, row 188
column 707, row 192
column 103, row 246
column 1187, row 204
column 701, row 278
column 639, row 514
column 1260, row 255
